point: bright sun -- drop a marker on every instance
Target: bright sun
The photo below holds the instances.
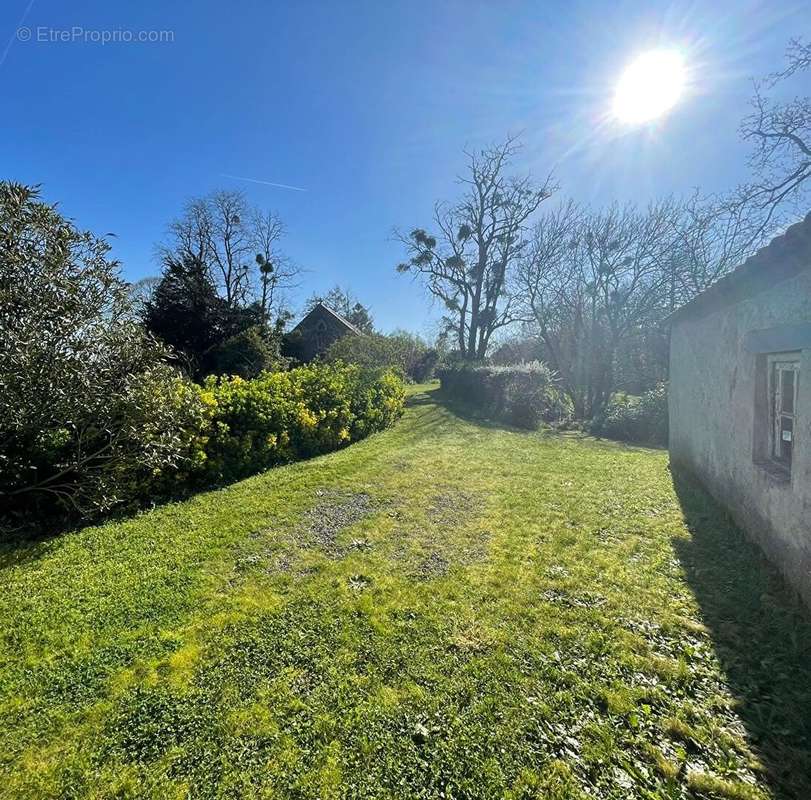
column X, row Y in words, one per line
column 649, row 87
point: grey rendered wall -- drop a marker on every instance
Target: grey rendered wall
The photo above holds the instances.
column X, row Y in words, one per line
column 713, row 427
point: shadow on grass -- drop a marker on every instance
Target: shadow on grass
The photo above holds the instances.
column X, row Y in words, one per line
column 471, row 414
column 442, row 406
column 29, row 543
column 35, row 537
column 465, row 411
column 761, row 633
column 426, row 398
column 28, row 538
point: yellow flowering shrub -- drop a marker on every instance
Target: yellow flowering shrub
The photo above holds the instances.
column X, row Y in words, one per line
column 283, row 416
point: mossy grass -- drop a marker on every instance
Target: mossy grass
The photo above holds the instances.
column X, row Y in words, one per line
column 446, row 609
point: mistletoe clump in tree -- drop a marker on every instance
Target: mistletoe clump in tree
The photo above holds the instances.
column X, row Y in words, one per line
column 469, row 261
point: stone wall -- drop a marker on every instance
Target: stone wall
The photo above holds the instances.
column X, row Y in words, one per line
column 314, row 334
column 720, row 416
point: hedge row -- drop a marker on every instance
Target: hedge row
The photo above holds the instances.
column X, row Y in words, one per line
column 168, row 435
column 284, row 416
column 401, row 351
column 524, row 395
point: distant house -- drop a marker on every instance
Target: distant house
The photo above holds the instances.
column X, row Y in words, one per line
column 316, row 332
column 740, row 397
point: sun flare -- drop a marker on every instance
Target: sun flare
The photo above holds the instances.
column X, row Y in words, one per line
column 650, row 86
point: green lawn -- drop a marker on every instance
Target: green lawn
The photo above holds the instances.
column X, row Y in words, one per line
column 447, row 609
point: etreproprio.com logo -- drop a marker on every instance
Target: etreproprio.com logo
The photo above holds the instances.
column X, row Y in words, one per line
column 78, row 33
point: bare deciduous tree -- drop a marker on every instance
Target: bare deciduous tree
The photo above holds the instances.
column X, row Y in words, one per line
column 589, row 283
column 468, row 262
column 712, row 237
column 239, row 247
column 230, row 244
column 277, row 272
column 546, row 284
column 595, row 287
column 140, row 293
column 781, row 135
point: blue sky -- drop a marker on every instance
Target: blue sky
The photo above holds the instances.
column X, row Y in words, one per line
column 367, row 106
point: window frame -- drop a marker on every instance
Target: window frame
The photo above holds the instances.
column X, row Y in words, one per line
column 777, row 365
column 320, row 334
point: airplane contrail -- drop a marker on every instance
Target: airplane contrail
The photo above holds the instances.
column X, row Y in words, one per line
column 264, row 183
column 22, row 34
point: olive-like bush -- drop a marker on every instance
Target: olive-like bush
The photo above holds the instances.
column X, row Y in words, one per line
column 89, row 411
column 524, row 395
column 640, row 420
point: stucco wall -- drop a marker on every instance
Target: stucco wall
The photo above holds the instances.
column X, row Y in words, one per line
column 716, row 411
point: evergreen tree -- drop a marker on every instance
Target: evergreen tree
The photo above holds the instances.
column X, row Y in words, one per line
column 206, row 333
column 186, row 313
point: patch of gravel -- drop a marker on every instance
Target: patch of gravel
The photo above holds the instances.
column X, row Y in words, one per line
column 586, row 600
column 448, row 509
column 319, row 528
column 432, row 551
column 436, row 555
column 334, row 512
column 284, row 563
column 434, row 565
column 476, row 548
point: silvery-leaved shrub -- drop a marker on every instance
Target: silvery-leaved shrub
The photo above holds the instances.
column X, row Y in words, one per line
column 89, row 412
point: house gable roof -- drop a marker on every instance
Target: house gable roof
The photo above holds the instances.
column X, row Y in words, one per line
column 784, row 257
column 322, row 307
